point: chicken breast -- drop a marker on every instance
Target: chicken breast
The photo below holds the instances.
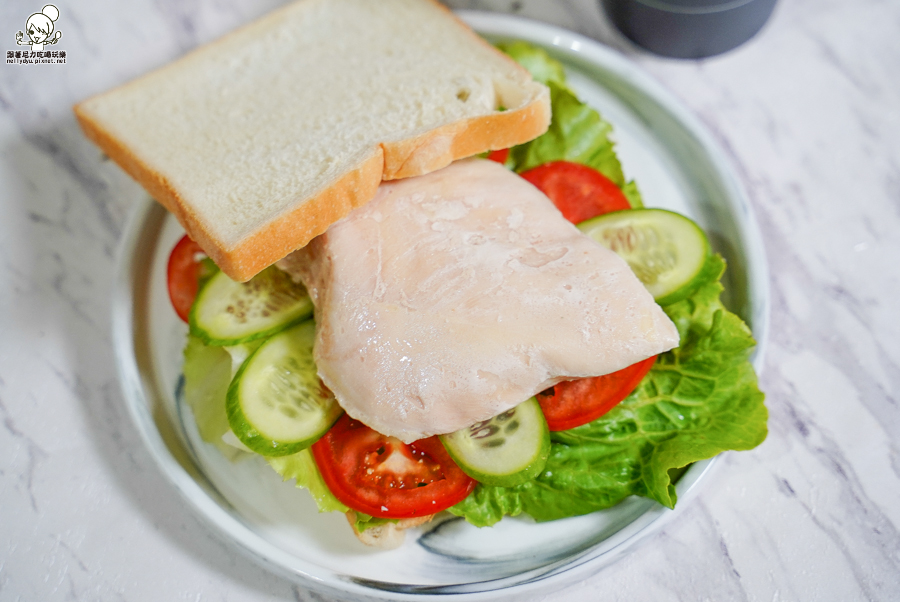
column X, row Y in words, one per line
column 454, row 296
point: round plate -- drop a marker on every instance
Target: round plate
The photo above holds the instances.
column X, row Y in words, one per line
column 676, row 164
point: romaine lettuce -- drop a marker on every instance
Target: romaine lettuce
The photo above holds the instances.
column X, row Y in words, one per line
column 697, row 401
column 577, row 132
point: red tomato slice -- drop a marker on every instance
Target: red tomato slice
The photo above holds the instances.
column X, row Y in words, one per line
column 183, row 274
column 578, row 191
column 575, row 402
column 499, row 156
column 384, row 477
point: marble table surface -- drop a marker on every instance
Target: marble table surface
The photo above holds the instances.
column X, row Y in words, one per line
column 808, row 112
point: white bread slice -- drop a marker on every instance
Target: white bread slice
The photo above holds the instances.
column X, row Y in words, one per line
column 262, row 139
column 386, row 536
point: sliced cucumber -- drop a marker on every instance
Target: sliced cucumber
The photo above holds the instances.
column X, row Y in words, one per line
column 666, row 250
column 506, row 450
column 229, row 313
column 276, row 405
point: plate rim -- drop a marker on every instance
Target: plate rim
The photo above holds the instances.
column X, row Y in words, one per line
column 231, row 529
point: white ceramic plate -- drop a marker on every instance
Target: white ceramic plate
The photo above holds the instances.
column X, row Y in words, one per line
column 677, row 165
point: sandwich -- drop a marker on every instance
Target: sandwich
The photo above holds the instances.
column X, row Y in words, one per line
column 438, row 336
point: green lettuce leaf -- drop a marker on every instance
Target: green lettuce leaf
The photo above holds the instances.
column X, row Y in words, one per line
column 207, row 374
column 364, row 521
column 697, row 401
column 577, row 132
column 302, row 467
column 631, row 192
column 535, row 59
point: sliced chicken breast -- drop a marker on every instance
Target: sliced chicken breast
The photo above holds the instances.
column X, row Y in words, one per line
column 454, row 296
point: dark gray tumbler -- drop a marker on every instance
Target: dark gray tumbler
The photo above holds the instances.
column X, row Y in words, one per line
column 689, row 28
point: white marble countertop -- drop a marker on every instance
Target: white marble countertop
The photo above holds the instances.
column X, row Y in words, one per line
column 809, row 113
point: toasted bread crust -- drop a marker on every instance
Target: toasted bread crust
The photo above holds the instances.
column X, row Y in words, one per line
column 307, row 218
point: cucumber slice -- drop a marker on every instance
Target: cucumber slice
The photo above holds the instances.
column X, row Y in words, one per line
column 666, row 250
column 276, row 405
column 506, row 450
column 229, row 313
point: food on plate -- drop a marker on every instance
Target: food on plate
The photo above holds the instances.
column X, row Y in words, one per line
column 591, row 442
column 275, row 403
column 230, row 313
column 184, row 266
column 573, row 403
column 454, row 296
column 381, row 476
column 514, row 365
column 666, row 250
column 582, row 192
column 262, row 139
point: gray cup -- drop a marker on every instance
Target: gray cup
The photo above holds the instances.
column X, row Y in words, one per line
column 689, row 28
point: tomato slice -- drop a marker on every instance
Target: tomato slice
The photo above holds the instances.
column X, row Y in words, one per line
column 575, row 402
column 578, row 191
column 384, row 477
column 183, row 275
column 499, row 156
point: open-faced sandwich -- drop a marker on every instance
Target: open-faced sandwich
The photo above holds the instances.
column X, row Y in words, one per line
column 406, row 327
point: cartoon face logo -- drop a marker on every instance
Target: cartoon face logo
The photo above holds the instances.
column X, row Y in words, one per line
column 39, row 27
